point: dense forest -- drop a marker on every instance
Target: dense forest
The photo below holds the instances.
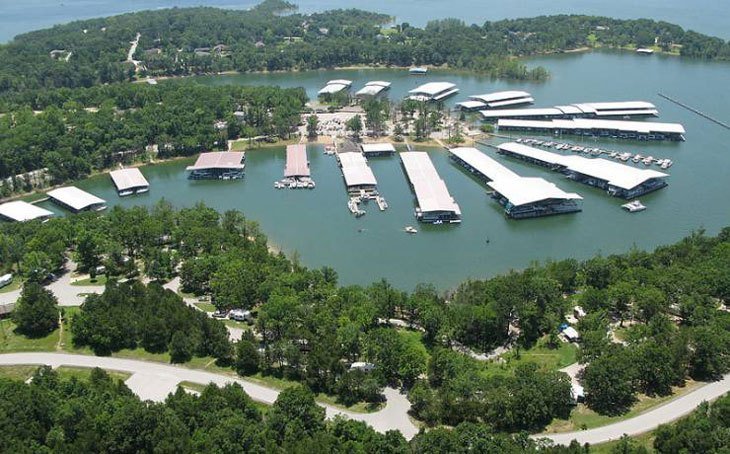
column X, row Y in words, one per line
column 74, row 131
column 309, row 329
column 205, row 40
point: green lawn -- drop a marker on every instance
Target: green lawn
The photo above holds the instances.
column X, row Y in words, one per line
column 98, row 280
column 10, row 341
column 206, row 307
column 84, row 373
column 546, row 357
column 13, row 286
column 583, row 417
column 646, row 440
column 20, row 373
column 235, row 324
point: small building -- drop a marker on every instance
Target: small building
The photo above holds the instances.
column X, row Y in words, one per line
column 221, row 165
column 571, row 334
column 377, row 149
column 363, row 366
column 434, row 202
column 129, row 181
column 357, row 174
column 433, row 91
column 20, row 211
column 76, row 200
column 373, row 89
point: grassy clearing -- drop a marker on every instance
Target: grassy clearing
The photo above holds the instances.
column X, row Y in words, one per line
column 547, row 358
column 13, row 286
column 84, row 373
column 360, row 407
column 583, row 417
column 88, row 282
column 10, row 341
column 19, row 373
column 234, row 324
column 645, row 440
column 205, row 307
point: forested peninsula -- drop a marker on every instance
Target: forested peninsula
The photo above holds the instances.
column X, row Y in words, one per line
column 177, row 42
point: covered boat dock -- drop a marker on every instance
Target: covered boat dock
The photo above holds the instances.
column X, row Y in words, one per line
column 496, row 100
column 335, row 86
column 373, row 89
column 20, row 211
column 222, row 165
column 433, row 91
column 297, row 165
column 435, row 204
column 357, row 174
column 129, row 181
column 582, row 110
column 521, row 197
column 638, row 130
column 377, row 149
column 76, row 200
column 618, row 180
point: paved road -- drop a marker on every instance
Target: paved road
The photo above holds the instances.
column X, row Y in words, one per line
column 155, row 380
column 67, row 294
column 648, row 421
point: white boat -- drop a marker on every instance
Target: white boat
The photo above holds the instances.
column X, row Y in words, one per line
column 667, row 164
column 126, row 193
column 382, row 204
column 634, row 206
column 410, row 229
column 420, row 71
column 143, row 190
column 644, row 51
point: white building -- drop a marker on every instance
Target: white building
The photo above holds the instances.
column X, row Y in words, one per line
column 433, row 91
column 20, row 211
column 76, row 200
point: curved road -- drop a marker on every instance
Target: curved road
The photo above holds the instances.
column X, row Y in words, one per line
column 155, row 380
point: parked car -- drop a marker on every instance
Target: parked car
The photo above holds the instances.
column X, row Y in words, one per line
column 220, row 314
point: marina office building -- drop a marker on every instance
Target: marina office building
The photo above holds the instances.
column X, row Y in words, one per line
column 583, row 110
column 618, row 180
column 20, row 211
column 433, row 91
column 76, row 200
column 639, row 130
column 222, row 165
column 496, row 100
column 129, row 181
column 434, row 202
column 521, row 197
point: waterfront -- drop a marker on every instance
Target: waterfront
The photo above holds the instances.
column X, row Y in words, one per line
column 318, row 226
column 705, row 16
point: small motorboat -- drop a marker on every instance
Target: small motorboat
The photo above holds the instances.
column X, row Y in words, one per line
column 634, row 206
column 411, row 229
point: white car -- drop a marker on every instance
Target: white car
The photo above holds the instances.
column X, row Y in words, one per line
column 240, row 315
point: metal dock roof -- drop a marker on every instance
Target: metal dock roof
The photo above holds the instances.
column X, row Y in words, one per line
column 296, row 161
column 126, row 179
column 431, row 191
column 355, row 169
column 23, row 211
column 219, row 160
column 75, row 198
column 644, row 127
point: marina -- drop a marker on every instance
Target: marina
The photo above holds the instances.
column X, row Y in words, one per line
column 521, row 197
column 335, row 86
column 636, row 130
column 618, row 180
column 434, row 202
column 373, row 89
column 218, row 165
column 129, row 181
column 20, row 211
column 76, row 200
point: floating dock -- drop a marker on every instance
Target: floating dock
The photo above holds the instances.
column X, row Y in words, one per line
column 435, row 204
column 582, row 110
column 19, row 211
column 618, row 180
column 297, row 174
column 129, row 181
column 377, row 149
column 521, row 197
column 360, row 181
column 335, row 86
column 220, row 165
column 638, row 130
column 373, row 89
column 496, row 100
column 76, row 200
column 433, row 91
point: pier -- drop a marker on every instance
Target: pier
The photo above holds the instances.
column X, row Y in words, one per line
column 693, row 110
column 360, row 181
column 435, row 203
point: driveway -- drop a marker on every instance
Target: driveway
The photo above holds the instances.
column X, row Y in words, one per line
column 154, row 381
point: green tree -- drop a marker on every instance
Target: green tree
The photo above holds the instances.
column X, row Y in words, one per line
column 36, row 311
column 247, row 358
column 312, row 125
column 181, row 348
column 295, row 414
column 610, row 383
column 354, row 125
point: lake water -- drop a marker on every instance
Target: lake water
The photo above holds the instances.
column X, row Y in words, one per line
column 317, row 225
column 706, row 16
